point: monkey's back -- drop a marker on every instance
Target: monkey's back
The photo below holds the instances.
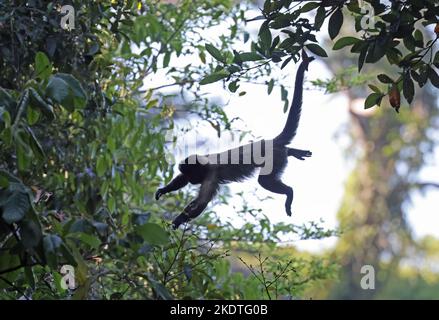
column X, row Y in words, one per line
column 239, row 163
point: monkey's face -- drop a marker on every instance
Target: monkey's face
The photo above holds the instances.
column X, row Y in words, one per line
column 194, row 168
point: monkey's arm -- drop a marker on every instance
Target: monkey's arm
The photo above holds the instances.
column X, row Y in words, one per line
column 177, row 183
column 208, row 190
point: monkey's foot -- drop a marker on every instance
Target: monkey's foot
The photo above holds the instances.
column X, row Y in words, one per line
column 288, row 208
column 181, row 218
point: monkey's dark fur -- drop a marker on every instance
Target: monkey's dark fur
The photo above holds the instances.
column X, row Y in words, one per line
column 197, row 169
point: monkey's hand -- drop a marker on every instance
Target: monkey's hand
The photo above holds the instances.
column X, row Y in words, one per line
column 159, row 193
column 300, row 154
column 181, row 218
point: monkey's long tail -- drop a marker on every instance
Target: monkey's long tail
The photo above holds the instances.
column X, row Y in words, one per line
column 292, row 123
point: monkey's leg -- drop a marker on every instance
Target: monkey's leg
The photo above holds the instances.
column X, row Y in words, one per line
column 272, row 183
column 298, row 153
column 207, row 190
column 178, row 182
column 193, row 210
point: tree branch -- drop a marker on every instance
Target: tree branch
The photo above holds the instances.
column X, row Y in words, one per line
column 427, row 184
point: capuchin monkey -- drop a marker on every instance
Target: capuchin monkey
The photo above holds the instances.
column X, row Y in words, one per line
column 237, row 164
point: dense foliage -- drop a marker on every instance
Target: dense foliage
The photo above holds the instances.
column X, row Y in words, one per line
column 395, row 30
column 83, row 150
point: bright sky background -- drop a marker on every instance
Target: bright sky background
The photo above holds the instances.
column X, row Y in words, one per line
column 318, row 182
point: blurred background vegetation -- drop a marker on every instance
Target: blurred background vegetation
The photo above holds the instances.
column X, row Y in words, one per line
column 83, row 149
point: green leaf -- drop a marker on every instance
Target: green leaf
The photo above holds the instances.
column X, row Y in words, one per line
column 385, row 78
column 8, row 260
column 433, row 76
column 88, row 239
column 309, row 6
column 233, row 86
column 16, row 207
column 283, row 93
column 111, row 144
column 214, row 52
column 233, row 69
column 284, row 64
column 376, row 51
column 344, row 42
column 35, row 144
column 373, row 99
column 166, row 59
column 76, row 88
column 6, row 99
column 57, row 280
column 161, row 290
column 29, row 276
column 111, row 204
column 410, row 43
column 423, row 76
column 436, row 58
column 10, row 176
column 320, row 17
column 335, row 23
column 74, row 84
column 374, row 88
column 22, row 104
column 153, row 234
column 281, row 21
column 32, row 116
column 214, row 77
column 316, row 49
column 101, row 166
column 51, row 243
column 93, row 49
column 30, row 231
column 270, row 86
column 39, row 103
column 4, row 182
column 202, row 56
column 286, row 104
column 393, row 55
column 67, row 255
column 43, row 67
column 408, row 88
column 246, row 36
column 265, row 36
column 57, row 89
column 419, row 37
column 23, row 156
column 250, row 56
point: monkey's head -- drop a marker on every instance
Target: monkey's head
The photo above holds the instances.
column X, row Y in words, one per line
column 194, row 167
